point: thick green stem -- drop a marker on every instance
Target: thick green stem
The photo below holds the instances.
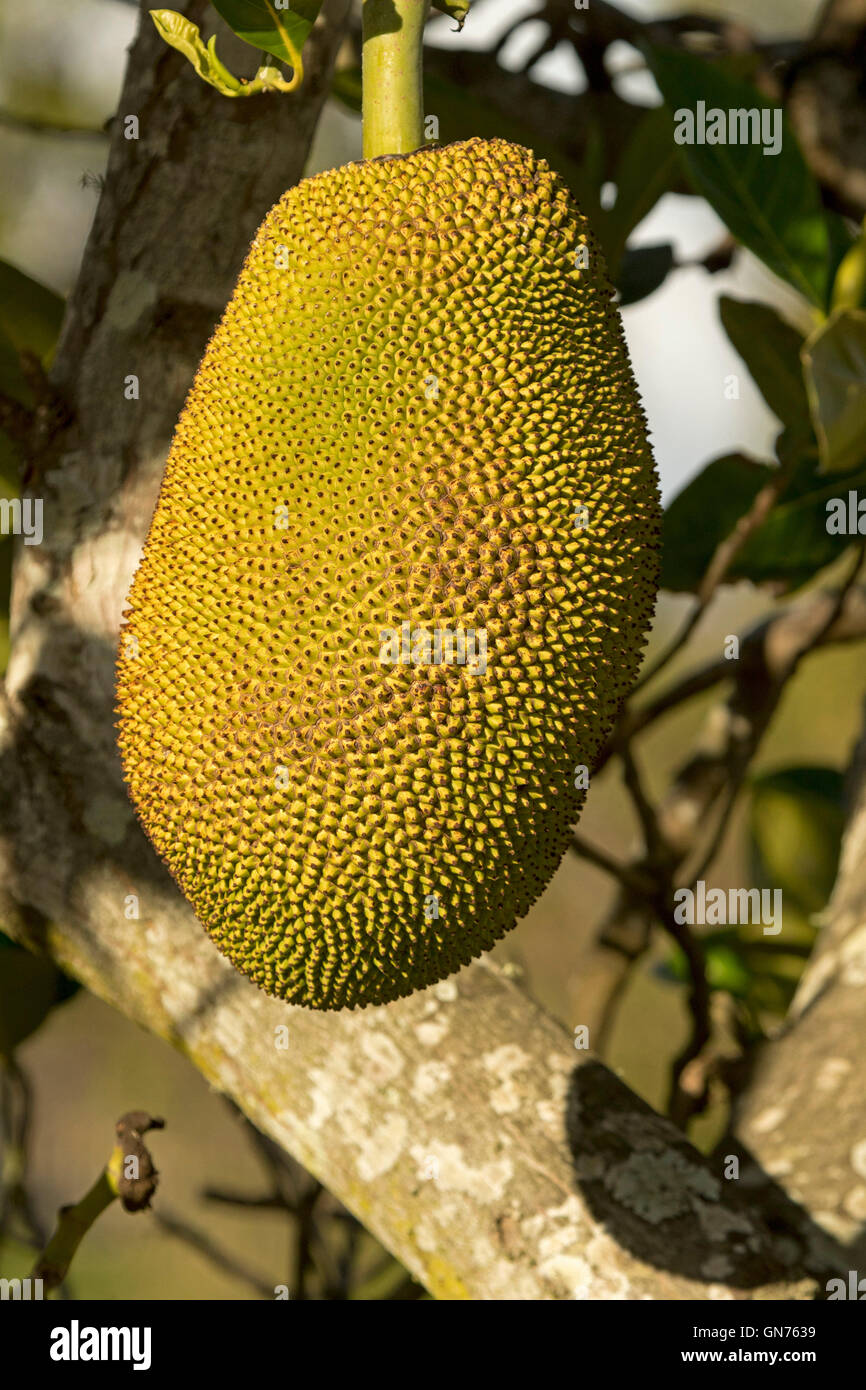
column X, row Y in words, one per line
column 393, row 97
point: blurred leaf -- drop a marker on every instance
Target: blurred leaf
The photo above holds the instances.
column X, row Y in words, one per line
column 771, row 203
column 770, row 348
column 30, row 319
column 346, row 87
column 834, row 362
column 457, row 9
column 12, row 379
column 30, row 986
column 755, row 969
column 30, row 313
column 642, row 270
column 10, row 481
column 592, row 163
column 788, row 549
column 849, row 267
column 704, row 513
column 645, row 171
column 281, row 32
column 725, row 967
column 796, row 819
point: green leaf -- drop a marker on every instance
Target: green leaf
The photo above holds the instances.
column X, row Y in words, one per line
column 30, row 987
column 724, row 964
column 788, row 549
column 794, row 544
column 12, row 379
column 847, row 264
column 834, row 363
column 182, row 34
column 30, row 313
column 645, row 170
column 703, row 514
column 30, row 319
column 346, row 87
column 457, row 9
column 796, row 819
column 771, row 203
column 726, row 969
column 642, row 270
column 770, row 348
column 282, row 32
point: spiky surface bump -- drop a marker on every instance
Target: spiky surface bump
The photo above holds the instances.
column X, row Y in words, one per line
column 415, row 370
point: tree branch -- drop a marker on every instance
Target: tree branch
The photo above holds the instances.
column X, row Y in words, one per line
column 802, row 1116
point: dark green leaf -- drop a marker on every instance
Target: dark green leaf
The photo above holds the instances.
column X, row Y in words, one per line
column 770, row 348
column 30, row 986
column 771, row 203
column 796, row 819
column 704, row 514
column 834, row 362
column 282, row 32
column 794, row 544
column 30, row 319
column 726, row 969
column 346, row 87
column 645, row 171
column 457, row 9
column 30, row 313
column 642, row 270
column 724, row 962
column 790, row 546
column 847, row 265
column 12, row 379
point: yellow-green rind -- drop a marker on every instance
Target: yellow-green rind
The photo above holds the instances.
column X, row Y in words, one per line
column 418, row 370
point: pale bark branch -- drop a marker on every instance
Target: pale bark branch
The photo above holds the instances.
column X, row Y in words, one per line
column 803, row 1117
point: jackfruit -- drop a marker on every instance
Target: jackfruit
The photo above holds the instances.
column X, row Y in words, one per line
column 398, row 579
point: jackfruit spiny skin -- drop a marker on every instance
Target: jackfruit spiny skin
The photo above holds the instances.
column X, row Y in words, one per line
column 413, row 390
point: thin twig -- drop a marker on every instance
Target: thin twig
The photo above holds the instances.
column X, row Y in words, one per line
column 723, row 557
column 268, row 1202
column 304, row 1237
column 223, row 1259
column 741, row 762
column 132, row 1182
column 679, row 1105
column 639, row 884
column 657, row 848
column 16, row 1110
column 37, row 125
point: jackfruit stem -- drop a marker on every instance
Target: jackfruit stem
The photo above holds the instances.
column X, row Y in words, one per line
column 393, row 89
